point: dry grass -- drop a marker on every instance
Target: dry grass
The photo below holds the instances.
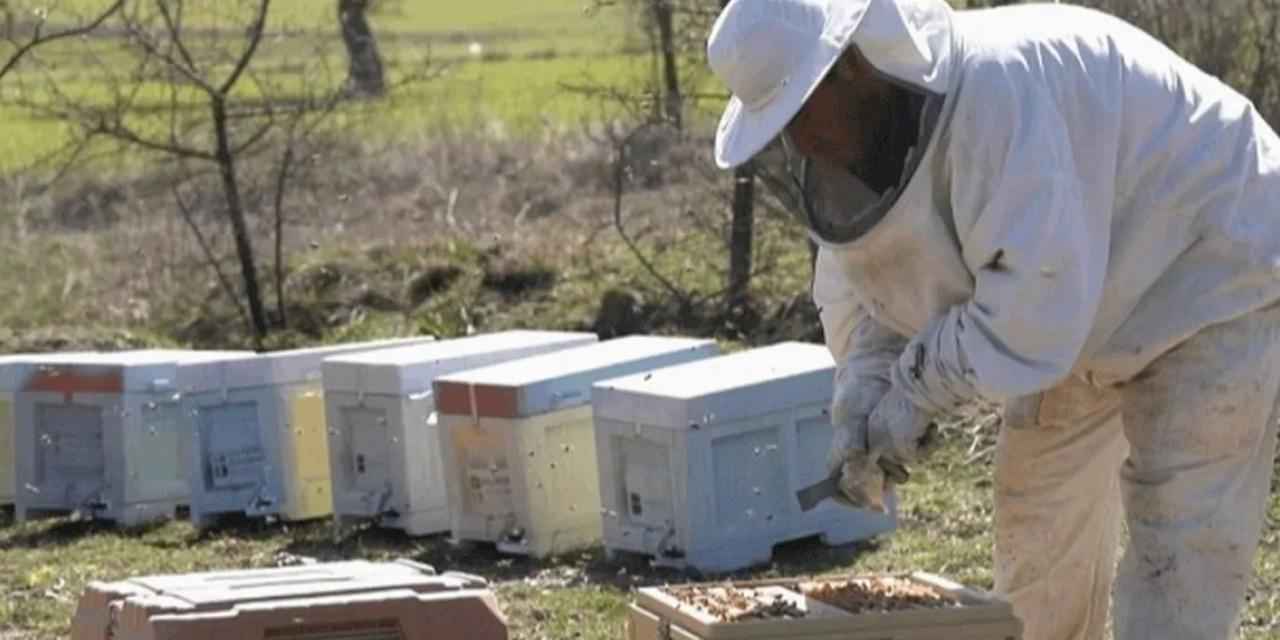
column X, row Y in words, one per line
column 445, row 233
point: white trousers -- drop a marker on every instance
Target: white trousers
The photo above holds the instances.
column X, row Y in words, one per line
column 1184, row 451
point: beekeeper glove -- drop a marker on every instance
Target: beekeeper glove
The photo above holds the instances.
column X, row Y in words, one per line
column 899, row 433
column 863, row 476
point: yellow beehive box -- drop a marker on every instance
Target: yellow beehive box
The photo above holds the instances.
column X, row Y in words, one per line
column 518, row 442
column 917, row 606
column 261, row 443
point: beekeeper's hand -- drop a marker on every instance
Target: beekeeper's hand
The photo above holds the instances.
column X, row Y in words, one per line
column 899, row 432
column 863, row 478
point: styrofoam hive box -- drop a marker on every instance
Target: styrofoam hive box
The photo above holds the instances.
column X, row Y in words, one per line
column 518, row 442
column 384, row 446
column 338, row 601
column 700, row 463
column 9, row 372
column 261, row 445
column 102, row 434
column 13, row 370
column 812, row 613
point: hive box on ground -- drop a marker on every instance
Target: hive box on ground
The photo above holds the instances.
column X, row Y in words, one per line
column 11, row 372
column 970, row 615
column 261, row 446
column 384, row 446
column 102, row 434
column 700, row 463
column 519, row 446
column 347, row 600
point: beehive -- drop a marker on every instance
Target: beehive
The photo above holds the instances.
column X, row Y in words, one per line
column 12, row 370
column 261, row 443
column 102, row 434
column 700, row 463
column 518, row 442
column 791, row 610
column 347, row 600
column 384, row 447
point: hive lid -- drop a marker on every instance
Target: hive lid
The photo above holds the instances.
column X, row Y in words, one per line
column 720, row 389
column 218, row 589
column 14, row 368
column 560, row 380
column 144, row 370
column 410, row 370
column 249, row 370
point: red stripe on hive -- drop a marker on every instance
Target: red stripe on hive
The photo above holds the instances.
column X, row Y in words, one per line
column 454, row 398
column 69, row 382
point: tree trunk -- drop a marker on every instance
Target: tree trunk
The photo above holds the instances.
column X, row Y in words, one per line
column 663, row 17
column 282, row 180
column 742, row 234
column 365, row 75
column 240, row 231
column 742, row 231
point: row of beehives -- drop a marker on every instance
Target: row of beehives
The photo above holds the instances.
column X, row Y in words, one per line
column 540, row 442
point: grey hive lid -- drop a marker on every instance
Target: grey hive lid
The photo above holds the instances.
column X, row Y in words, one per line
column 560, row 380
column 411, row 370
column 249, row 370
column 720, row 389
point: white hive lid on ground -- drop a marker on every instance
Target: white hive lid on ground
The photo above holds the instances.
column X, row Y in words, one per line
column 110, row 372
column 721, row 389
column 563, row 379
column 248, row 370
column 409, row 370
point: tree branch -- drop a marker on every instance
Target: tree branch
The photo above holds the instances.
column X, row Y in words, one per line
column 223, row 280
column 619, row 188
column 174, row 25
column 255, row 38
column 38, row 38
column 123, row 133
column 255, row 137
column 152, row 49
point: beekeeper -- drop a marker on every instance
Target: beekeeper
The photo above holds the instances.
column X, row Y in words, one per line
column 1044, row 206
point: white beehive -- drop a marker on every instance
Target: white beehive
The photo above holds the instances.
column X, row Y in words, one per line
column 12, row 372
column 384, row 447
column 261, row 445
column 700, row 463
column 102, row 434
column 519, row 446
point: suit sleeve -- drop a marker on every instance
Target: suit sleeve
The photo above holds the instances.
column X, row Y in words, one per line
column 1038, row 255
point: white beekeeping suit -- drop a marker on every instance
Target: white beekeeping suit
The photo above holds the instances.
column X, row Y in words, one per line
column 1088, row 230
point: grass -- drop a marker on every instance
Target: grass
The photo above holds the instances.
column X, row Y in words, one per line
column 945, row 529
column 529, row 49
column 48, row 563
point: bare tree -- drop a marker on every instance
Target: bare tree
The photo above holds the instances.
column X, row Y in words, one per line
column 205, row 125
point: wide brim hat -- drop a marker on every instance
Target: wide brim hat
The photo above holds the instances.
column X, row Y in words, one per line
column 773, row 54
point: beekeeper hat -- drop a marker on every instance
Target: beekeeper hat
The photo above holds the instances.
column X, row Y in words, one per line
column 772, row 54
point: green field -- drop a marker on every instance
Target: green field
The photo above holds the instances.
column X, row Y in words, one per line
column 525, row 52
